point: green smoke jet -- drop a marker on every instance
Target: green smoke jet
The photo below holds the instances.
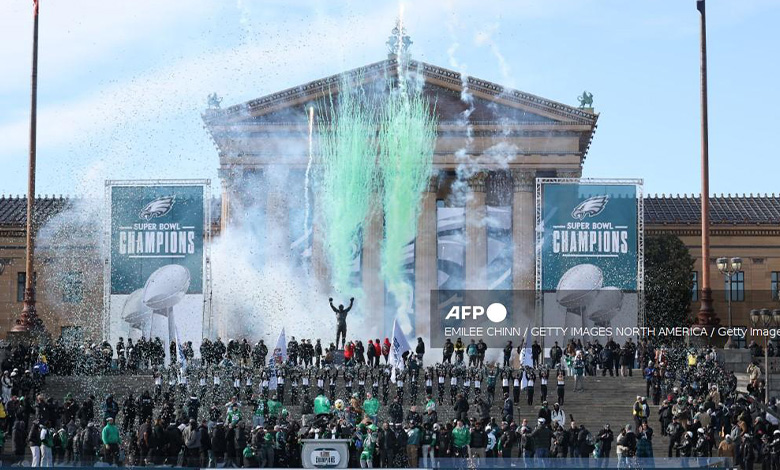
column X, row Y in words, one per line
column 349, row 177
column 407, row 136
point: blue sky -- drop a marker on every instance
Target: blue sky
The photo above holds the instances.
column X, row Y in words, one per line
column 122, row 84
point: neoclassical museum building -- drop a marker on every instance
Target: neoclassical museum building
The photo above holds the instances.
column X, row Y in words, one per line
column 476, row 227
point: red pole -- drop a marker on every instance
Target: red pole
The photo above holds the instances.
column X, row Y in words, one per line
column 706, row 315
column 29, row 319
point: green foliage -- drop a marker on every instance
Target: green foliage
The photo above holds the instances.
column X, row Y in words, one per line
column 668, row 282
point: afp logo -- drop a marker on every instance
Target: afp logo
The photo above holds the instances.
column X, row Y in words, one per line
column 495, row 312
column 590, row 207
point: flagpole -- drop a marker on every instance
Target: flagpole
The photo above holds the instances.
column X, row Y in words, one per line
column 28, row 320
column 706, row 315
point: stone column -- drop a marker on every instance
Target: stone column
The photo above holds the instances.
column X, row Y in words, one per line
column 373, row 284
column 319, row 258
column 425, row 261
column 318, row 263
column 277, row 222
column 476, row 233
column 523, row 233
column 524, row 256
column 228, row 180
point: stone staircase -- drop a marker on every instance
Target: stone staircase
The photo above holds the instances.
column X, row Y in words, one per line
column 605, row 400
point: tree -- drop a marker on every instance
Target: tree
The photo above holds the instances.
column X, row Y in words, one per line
column 668, row 282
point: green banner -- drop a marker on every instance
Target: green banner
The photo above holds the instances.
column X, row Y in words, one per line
column 590, row 236
column 154, row 226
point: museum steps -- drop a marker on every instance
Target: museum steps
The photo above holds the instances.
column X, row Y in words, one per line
column 605, row 400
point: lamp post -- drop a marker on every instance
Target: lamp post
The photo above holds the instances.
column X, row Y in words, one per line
column 765, row 318
column 729, row 268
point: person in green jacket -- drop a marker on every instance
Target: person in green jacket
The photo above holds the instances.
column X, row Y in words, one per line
column 274, row 409
column 371, row 407
column 369, row 445
column 233, row 416
column 110, row 437
column 249, row 456
column 413, row 441
column 461, row 438
column 321, row 405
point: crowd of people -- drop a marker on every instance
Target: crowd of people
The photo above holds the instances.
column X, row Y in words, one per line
column 230, row 408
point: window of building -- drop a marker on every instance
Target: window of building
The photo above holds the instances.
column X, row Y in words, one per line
column 72, row 287
column 21, row 280
column 737, row 287
column 73, row 335
column 775, row 285
column 695, row 286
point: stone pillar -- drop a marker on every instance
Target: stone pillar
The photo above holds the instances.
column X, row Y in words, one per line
column 425, row 261
column 318, row 263
column 224, row 214
column 228, row 180
column 373, row 284
column 524, row 240
column 476, row 233
column 319, row 258
column 523, row 230
column 277, row 222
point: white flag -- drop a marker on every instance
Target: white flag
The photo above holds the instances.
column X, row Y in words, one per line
column 278, row 358
column 399, row 346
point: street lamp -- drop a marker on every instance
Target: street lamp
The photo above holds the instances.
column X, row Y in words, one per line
column 729, row 268
column 765, row 318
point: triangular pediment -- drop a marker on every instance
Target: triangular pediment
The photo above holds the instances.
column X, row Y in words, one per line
column 492, row 103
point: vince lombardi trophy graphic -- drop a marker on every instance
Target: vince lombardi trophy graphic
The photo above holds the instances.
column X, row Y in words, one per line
column 136, row 313
column 163, row 290
column 587, row 302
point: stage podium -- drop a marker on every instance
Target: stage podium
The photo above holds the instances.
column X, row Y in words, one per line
column 325, row 453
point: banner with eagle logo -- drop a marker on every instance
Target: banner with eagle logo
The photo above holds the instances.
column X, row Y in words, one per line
column 588, row 243
column 155, row 274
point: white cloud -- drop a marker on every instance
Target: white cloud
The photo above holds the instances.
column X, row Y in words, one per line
column 150, row 124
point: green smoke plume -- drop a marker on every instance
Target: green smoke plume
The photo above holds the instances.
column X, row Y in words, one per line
column 348, row 150
column 407, row 136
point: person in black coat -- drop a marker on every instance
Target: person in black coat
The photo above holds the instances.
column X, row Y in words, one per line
column 606, row 436
column 205, row 445
column 240, row 442
column 218, row 443
column 174, row 443
column 461, row 408
column 420, row 349
column 19, row 437
column 159, row 442
column 387, row 446
column 396, row 411
column 508, row 412
column 230, row 446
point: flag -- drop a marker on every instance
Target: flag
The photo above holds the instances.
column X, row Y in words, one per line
column 398, row 347
column 35, row 7
column 277, row 359
column 180, row 349
column 700, row 5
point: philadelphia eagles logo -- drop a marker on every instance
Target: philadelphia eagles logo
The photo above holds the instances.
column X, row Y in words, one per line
column 590, row 207
column 157, row 208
